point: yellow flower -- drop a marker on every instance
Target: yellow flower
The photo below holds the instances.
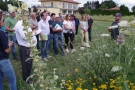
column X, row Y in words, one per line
column 76, row 70
column 70, row 87
column 94, row 89
column 68, row 74
column 79, row 88
column 103, row 86
column 95, row 77
column 94, row 84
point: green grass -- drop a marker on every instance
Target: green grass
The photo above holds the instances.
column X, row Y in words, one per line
column 91, row 60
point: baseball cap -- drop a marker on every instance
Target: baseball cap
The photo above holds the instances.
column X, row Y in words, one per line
column 118, row 15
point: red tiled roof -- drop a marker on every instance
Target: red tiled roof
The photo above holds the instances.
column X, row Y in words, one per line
column 70, row 1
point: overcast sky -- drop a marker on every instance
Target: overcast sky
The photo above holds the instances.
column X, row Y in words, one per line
column 129, row 3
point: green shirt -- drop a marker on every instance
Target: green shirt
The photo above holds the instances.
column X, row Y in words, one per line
column 11, row 22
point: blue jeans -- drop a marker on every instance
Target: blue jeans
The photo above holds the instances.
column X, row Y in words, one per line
column 58, row 40
column 43, row 48
column 89, row 34
column 7, row 70
column 13, row 38
column 50, row 40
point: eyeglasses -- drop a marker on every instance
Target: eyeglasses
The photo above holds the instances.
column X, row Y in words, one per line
column 3, row 14
column 69, row 16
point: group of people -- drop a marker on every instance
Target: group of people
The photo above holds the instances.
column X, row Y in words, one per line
column 53, row 29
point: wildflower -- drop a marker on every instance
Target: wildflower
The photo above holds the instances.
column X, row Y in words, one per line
column 79, row 88
column 103, row 86
column 94, row 89
column 107, row 55
column 120, row 39
column 55, row 77
column 68, row 74
column 76, row 70
column 116, row 68
column 82, row 48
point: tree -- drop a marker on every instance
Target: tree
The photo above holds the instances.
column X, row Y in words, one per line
column 81, row 10
column 133, row 8
column 87, row 5
column 87, row 11
column 124, row 8
column 3, row 6
column 109, row 4
column 97, row 4
column 35, row 9
column 103, row 6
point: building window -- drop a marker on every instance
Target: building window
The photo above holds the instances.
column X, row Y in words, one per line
column 74, row 6
column 64, row 5
column 74, row 12
column 52, row 4
column 69, row 6
column 69, row 11
column 64, row 12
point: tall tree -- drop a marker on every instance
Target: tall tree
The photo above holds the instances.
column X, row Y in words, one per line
column 87, row 5
column 109, row 3
column 124, row 8
column 133, row 8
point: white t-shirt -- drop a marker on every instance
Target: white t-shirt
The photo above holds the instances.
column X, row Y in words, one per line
column 69, row 23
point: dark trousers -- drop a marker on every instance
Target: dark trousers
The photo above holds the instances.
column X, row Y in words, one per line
column 76, row 27
column 37, row 36
column 68, row 36
column 89, row 34
column 26, row 65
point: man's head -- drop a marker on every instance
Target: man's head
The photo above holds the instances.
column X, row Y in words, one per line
column 43, row 15
column 72, row 17
column 57, row 19
column 88, row 16
column 33, row 15
column 53, row 16
column 60, row 15
column 118, row 16
column 12, row 14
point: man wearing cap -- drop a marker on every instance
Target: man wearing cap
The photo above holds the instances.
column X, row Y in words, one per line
column 57, row 28
column 115, row 31
column 10, row 24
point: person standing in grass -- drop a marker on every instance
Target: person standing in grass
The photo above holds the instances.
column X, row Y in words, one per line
column 10, row 24
column 84, row 31
column 76, row 24
column 6, row 68
column 90, row 23
column 57, row 28
column 115, row 31
column 44, row 26
column 34, row 26
column 68, row 33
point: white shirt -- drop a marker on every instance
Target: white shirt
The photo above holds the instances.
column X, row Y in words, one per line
column 69, row 24
column 20, row 35
column 48, row 18
column 44, row 26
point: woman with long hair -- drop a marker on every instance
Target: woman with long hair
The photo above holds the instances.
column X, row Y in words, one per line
column 68, row 33
column 84, row 31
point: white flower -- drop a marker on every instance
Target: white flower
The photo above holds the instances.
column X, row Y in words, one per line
column 55, row 77
column 11, row 8
column 103, row 35
column 107, row 55
column 24, row 6
column 19, row 10
column 116, row 68
column 123, row 23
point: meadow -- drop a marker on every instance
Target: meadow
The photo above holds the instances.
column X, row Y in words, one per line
column 91, row 68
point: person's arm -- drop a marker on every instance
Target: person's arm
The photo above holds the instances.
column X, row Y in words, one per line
column 7, row 26
column 87, row 26
column 39, row 28
column 32, row 25
column 4, row 41
column 56, row 30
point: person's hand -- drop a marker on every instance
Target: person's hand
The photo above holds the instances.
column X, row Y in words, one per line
column 34, row 31
column 10, row 43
